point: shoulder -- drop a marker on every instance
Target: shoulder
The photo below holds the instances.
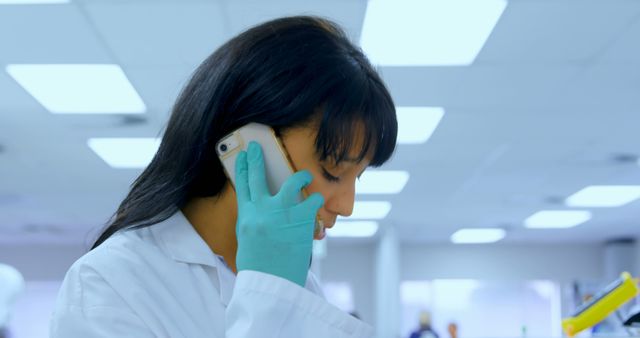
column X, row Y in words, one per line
column 96, row 276
column 131, row 278
column 91, row 298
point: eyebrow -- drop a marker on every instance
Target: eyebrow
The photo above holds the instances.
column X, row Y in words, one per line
column 346, row 159
column 350, row 159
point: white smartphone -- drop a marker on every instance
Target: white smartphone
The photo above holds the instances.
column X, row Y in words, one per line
column 276, row 160
column 277, row 163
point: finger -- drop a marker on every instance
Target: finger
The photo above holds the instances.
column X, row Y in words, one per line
column 313, row 203
column 290, row 191
column 257, row 178
column 242, row 177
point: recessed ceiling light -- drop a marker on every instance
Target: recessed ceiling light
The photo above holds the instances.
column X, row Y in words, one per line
column 125, row 153
column 353, row 229
column 604, row 196
column 382, row 182
column 478, row 235
column 369, row 210
column 416, row 124
column 428, row 32
column 79, row 88
column 624, row 158
column 548, row 219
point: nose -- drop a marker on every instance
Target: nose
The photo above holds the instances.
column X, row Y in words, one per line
column 341, row 203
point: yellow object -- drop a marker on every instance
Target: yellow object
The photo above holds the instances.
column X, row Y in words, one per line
column 601, row 305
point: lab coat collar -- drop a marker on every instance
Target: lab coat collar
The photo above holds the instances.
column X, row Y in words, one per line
column 181, row 241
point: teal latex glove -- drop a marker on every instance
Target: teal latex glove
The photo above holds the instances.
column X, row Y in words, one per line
column 275, row 233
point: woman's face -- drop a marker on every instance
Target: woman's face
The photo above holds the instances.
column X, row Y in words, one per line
column 336, row 183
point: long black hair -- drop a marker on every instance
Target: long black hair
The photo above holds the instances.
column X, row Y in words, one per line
column 283, row 73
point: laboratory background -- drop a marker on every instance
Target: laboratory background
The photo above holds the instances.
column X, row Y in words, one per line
column 513, row 196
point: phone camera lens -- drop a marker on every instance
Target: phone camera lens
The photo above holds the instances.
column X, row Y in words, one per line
column 223, row 147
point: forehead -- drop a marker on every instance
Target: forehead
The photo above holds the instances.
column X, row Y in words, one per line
column 347, row 150
column 356, row 142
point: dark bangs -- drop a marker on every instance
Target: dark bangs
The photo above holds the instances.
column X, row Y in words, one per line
column 358, row 107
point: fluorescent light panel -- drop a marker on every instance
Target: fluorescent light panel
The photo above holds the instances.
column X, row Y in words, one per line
column 125, row 153
column 549, row 219
column 353, row 229
column 79, row 88
column 382, row 182
column 428, row 32
column 604, row 196
column 416, row 124
column 32, row 2
column 479, row 235
column 369, row 210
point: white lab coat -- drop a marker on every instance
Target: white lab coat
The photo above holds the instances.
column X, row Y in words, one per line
column 164, row 281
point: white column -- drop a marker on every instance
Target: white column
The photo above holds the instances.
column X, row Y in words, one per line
column 619, row 256
column 387, row 291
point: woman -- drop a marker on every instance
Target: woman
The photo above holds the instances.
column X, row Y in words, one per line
column 187, row 256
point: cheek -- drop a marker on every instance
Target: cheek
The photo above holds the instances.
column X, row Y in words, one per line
column 319, row 185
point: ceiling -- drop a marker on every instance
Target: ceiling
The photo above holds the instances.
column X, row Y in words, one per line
column 550, row 105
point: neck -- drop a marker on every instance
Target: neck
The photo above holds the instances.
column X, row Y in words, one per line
column 214, row 219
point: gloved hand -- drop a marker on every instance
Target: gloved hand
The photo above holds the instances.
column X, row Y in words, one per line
column 275, row 233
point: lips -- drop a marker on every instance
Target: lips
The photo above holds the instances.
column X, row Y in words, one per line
column 320, row 234
column 327, row 224
column 321, row 228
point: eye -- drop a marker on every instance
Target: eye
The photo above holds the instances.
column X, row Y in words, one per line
column 328, row 176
